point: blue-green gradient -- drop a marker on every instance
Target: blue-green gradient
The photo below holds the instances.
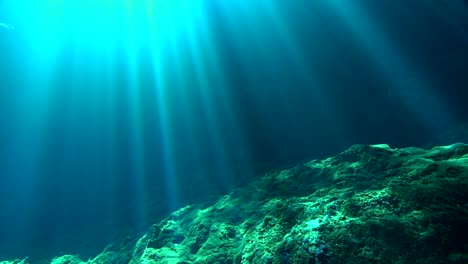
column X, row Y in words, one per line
column 115, row 112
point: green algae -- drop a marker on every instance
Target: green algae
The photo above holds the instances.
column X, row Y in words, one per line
column 369, row 204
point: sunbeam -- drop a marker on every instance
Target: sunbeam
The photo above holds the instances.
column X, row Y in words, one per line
column 139, row 131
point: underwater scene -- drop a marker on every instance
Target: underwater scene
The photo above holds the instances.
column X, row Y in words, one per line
column 233, row 131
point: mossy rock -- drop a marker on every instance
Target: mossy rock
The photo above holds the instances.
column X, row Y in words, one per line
column 369, row 204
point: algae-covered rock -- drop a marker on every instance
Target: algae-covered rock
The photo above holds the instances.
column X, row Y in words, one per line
column 369, row 204
column 17, row 261
column 68, row 259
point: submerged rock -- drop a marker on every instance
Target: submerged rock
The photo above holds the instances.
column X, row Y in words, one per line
column 369, row 204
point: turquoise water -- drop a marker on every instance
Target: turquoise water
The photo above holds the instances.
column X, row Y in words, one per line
column 113, row 114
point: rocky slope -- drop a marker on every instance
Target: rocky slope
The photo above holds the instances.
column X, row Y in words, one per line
column 369, row 204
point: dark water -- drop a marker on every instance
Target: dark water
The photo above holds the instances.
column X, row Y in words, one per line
column 89, row 155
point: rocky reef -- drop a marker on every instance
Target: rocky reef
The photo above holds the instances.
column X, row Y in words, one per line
column 369, row 204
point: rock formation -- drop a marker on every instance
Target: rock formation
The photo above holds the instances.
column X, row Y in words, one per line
column 369, row 204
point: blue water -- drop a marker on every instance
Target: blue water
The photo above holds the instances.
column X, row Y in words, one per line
column 111, row 117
